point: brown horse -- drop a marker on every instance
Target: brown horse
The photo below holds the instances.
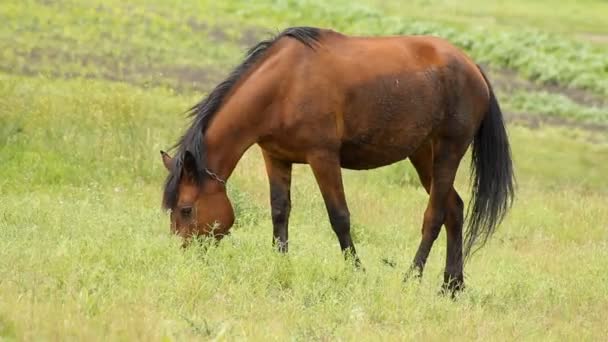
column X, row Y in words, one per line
column 333, row 101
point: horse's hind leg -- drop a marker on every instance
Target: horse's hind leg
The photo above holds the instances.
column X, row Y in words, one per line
column 436, row 163
column 453, row 280
column 327, row 170
column 422, row 160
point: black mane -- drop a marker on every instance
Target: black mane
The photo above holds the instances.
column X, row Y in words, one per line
column 202, row 112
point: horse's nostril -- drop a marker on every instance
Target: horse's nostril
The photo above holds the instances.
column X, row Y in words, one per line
column 186, row 211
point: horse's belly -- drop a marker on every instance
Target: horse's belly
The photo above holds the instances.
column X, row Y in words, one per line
column 387, row 118
column 362, row 155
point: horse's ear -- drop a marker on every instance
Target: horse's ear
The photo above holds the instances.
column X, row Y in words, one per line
column 167, row 160
column 189, row 163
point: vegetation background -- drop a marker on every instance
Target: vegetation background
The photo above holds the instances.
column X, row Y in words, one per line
column 90, row 91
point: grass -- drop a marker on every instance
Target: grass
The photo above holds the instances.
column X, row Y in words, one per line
column 86, row 251
column 571, row 17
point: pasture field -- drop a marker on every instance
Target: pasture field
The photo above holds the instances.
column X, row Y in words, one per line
column 90, row 91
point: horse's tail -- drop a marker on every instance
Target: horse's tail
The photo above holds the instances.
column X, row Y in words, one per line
column 492, row 174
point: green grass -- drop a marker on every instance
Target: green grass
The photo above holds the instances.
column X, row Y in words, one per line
column 86, row 251
column 570, row 17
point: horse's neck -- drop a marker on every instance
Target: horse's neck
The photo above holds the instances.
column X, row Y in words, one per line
column 236, row 126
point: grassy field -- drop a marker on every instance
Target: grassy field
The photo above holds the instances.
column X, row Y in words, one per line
column 582, row 19
column 90, row 91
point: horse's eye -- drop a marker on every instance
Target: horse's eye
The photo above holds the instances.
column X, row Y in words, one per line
column 186, row 211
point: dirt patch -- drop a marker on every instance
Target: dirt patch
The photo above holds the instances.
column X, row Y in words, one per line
column 252, row 35
column 509, row 81
column 197, row 26
column 190, row 78
column 595, row 37
column 594, row 133
column 126, row 69
column 47, row 2
column 536, row 121
column 248, row 37
column 180, row 77
column 201, row 79
column 217, row 35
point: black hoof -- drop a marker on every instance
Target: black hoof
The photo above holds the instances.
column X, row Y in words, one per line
column 358, row 265
column 452, row 285
column 413, row 273
column 281, row 247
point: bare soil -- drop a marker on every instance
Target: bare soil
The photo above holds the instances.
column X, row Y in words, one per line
column 595, row 37
column 535, row 121
column 509, row 81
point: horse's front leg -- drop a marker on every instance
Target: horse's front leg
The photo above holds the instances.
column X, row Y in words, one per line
column 279, row 177
column 328, row 173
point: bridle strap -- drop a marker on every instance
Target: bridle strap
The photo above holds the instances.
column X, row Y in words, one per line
column 215, row 176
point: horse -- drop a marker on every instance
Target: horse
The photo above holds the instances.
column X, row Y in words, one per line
column 319, row 97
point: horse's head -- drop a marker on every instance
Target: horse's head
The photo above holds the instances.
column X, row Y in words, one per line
column 198, row 202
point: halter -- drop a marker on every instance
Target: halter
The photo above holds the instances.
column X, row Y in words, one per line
column 215, row 176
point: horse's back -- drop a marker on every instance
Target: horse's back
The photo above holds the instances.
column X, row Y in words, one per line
column 377, row 99
column 395, row 92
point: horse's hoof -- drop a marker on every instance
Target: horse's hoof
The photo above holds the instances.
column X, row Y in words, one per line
column 358, row 265
column 413, row 272
column 452, row 288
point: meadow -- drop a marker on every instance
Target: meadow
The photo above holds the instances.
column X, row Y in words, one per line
column 90, row 91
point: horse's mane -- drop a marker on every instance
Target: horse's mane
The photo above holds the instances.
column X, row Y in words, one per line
column 202, row 112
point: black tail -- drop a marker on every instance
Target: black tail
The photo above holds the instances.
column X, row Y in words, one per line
column 492, row 174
